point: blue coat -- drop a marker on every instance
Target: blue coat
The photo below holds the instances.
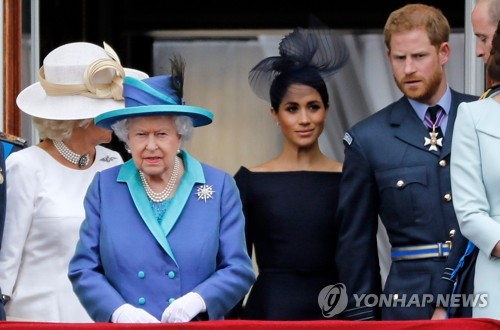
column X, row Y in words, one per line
column 126, row 256
column 388, row 172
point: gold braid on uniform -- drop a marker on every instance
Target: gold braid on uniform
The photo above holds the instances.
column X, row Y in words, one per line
column 490, row 91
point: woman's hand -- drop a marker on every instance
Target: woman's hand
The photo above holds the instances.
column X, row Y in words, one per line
column 127, row 313
column 184, row 308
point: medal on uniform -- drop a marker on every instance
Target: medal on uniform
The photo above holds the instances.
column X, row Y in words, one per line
column 433, row 141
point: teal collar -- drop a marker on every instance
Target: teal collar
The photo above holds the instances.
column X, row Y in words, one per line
column 193, row 174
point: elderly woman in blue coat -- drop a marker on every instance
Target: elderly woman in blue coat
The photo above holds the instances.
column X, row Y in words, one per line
column 163, row 238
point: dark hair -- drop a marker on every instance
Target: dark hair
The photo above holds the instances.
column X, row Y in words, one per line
column 493, row 65
column 306, row 56
column 307, row 76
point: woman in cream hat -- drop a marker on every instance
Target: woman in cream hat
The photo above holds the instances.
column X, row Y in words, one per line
column 163, row 236
column 48, row 181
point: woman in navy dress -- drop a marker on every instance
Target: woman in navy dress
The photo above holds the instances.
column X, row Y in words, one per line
column 290, row 201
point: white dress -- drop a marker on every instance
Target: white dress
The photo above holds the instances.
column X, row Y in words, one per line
column 44, row 213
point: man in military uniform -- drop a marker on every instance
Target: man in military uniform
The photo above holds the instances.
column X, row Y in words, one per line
column 396, row 166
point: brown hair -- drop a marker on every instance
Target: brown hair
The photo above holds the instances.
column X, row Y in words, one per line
column 416, row 16
column 493, row 65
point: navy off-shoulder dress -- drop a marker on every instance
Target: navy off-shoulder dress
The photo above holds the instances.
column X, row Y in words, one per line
column 290, row 222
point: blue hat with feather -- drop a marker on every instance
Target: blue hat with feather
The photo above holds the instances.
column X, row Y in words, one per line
column 154, row 96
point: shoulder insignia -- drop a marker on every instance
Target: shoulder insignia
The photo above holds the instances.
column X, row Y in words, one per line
column 347, row 138
column 12, row 143
column 13, row 139
column 489, row 92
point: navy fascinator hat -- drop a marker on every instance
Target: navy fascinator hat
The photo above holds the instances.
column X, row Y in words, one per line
column 154, row 96
column 316, row 51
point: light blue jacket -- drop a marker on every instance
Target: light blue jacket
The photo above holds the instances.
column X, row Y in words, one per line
column 475, row 181
column 125, row 256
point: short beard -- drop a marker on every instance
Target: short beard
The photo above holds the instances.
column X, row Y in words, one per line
column 426, row 92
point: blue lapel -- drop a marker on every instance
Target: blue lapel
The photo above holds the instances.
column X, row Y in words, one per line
column 452, row 115
column 407, row 126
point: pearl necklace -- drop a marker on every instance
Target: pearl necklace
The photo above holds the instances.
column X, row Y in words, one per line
column 165, row 193
column 70, row 156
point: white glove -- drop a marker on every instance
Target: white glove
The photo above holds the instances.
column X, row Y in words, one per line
column 184, row 308
column 127, row 313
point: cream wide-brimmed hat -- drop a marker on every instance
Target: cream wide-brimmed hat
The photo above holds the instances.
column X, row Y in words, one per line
column 78, row 80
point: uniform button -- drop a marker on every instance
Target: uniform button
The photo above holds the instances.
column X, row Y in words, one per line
column 171, row 274
column 171, row 300
column 142, row 301
column 400, row 183
column 141, row 274
column 442, row 163
column 447, row 197
column 452, row 233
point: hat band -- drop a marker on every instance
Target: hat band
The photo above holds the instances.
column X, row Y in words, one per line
column 90, row 89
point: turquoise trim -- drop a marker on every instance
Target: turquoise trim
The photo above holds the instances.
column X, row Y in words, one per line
column 193, row 173
column 200, row 116
column 129, row 174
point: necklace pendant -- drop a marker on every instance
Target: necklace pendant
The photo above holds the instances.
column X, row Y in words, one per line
column 433, row 141
column 83, row 161
column 70, row 156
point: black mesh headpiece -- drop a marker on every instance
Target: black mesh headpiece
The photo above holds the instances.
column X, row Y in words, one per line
column 317, row 51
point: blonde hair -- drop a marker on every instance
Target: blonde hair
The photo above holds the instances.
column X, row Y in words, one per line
column 58, row 129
